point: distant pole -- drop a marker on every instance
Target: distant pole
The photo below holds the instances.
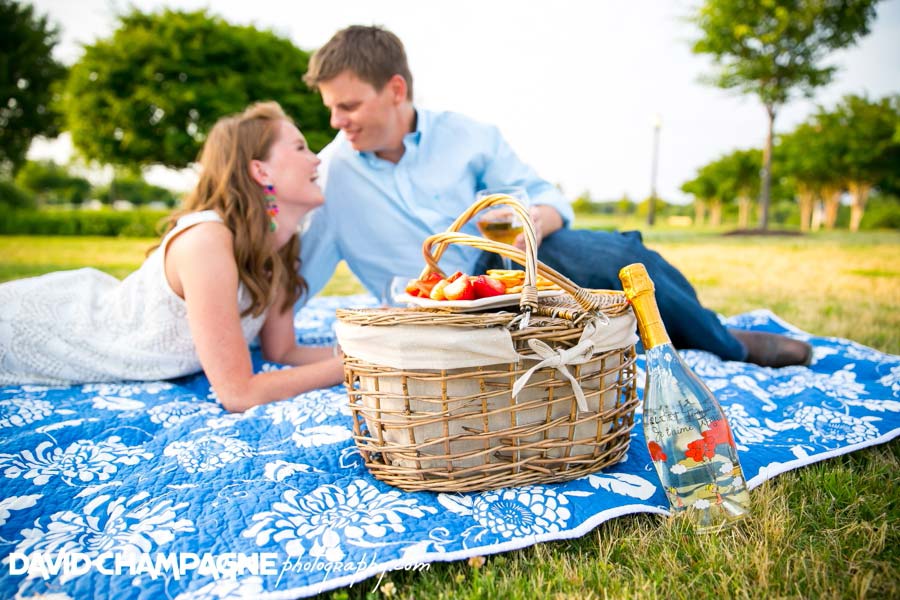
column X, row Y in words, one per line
column 651, row 207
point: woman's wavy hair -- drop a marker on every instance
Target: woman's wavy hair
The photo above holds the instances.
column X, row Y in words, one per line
column 227, row 187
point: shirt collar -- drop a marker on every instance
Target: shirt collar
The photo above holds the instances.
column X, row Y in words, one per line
column 410, row 143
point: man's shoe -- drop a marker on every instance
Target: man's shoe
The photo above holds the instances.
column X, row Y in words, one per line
column 773, row 350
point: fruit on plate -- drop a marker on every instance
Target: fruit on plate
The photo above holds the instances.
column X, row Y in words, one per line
column 460, row 289
column 456, row 287
column 514, row 279
column 487, row 287
column 421, row 288
column 437, row 292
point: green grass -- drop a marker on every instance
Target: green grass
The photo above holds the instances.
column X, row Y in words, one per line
column 825, row 531
column 26, row 256
column 830, row 530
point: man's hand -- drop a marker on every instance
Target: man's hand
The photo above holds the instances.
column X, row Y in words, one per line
column 546, row 220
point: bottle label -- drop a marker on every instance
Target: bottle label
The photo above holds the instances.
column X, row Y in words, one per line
column 668, row 422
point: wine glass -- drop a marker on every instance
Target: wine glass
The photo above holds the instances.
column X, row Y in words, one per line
column 501, row 224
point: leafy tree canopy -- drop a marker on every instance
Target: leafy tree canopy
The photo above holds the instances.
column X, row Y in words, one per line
column 737, row 173
column 809, row 156
column 772, row 47
column 52, row 183
column 14, row 197
column 136, row 190
column 731, row 176
column 27, row 76
column 865, row 136
column 703, row 186
column 149, row 93
column 858, row 140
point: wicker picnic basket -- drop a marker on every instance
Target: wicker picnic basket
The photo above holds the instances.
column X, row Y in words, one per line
column 558, row 403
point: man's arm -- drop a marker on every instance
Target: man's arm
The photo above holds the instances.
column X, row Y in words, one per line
column 546, row 220
column 319, row 253
column 550, row 211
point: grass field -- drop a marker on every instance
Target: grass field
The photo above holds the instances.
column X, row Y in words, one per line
column 830, row 530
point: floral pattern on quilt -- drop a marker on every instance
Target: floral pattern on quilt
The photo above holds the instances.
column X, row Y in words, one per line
column 133, row 490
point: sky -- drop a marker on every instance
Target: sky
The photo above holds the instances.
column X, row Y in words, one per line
column 575, row 86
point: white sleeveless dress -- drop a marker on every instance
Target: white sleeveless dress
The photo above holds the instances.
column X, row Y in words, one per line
column 86, row 326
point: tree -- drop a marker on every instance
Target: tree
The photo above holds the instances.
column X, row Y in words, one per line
column 149, row 93
column 53, row 184
column 738, row 174
column 867, row 134
column 703, row 188
column 27, row 76
column 136, row 190
column 13, row 197
column 809, row 159
column 774, row 48
column 625, row 206
column 652, row 202
column 719, row 172
column 583, row 204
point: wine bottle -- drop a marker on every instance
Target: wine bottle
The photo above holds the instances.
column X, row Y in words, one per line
column 686, row 431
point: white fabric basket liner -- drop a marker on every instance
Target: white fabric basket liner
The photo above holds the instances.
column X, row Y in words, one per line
column 442, row 347
column 430, row 348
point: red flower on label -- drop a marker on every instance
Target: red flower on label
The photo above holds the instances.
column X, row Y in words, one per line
column 719, row 433
column 700, row 448
column 656, row 451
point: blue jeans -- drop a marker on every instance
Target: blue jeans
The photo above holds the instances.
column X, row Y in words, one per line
column 592, row 259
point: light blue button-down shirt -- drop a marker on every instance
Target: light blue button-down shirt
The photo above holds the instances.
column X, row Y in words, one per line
column 377, row 214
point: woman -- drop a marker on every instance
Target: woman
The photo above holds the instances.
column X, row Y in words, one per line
column 225, row 272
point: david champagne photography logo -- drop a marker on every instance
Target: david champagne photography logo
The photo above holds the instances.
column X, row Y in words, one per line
column 67, row 565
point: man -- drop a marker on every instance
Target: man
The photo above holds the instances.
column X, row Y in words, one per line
column 396, row 174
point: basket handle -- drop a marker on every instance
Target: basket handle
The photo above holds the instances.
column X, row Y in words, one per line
column 434, row 246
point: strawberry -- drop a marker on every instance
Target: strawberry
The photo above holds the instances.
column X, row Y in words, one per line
column 431, row 279
column 486, row 287
column 459, row 289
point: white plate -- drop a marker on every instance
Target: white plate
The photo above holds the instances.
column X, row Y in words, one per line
column 471, row 305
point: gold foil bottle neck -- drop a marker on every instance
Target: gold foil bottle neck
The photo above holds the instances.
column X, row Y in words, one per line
column 639, row 290
column 635, row 280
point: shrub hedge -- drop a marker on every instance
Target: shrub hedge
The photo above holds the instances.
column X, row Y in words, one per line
column 132, row 223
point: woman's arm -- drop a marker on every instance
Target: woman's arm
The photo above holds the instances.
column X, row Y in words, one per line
column 278, row 341
column 200, row 265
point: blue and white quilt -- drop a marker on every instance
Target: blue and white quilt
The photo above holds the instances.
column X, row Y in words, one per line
column 151, row 490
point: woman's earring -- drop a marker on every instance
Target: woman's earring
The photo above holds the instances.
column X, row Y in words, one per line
column 271, row 207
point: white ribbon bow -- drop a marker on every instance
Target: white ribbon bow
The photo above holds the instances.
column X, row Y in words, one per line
column 558, row 359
